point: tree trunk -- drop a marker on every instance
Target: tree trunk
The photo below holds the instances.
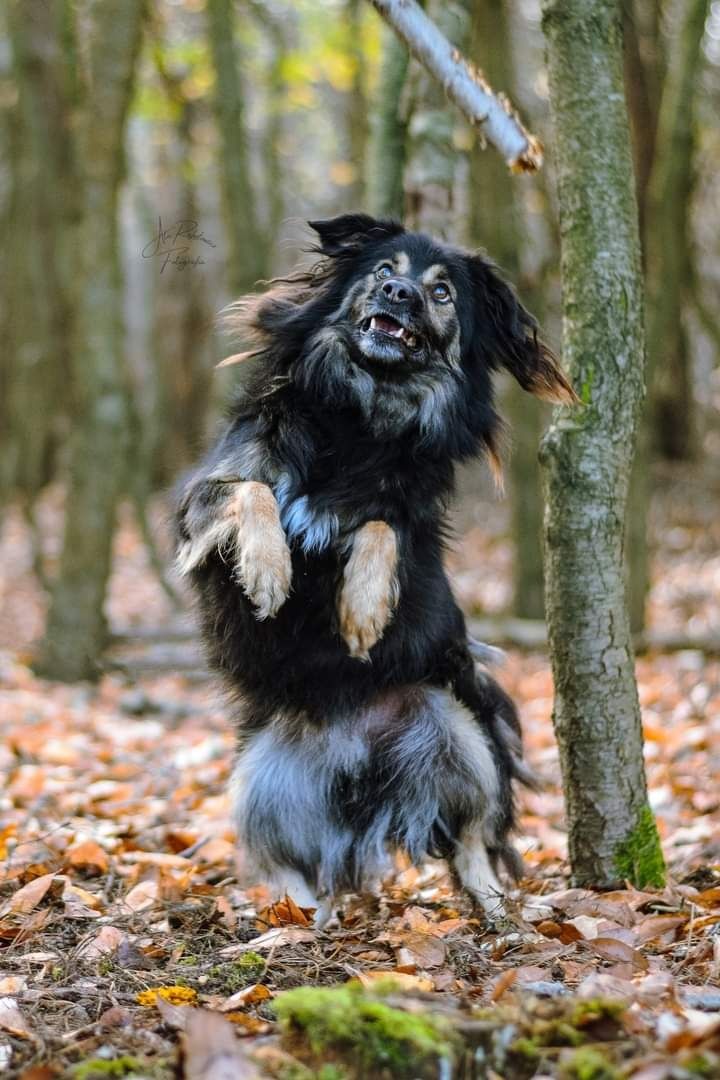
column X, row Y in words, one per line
column 587, row 454
column 668, row 426
column 495, row 222
column 42, row 212
column 669, row 261
column 246, row 247
column 388, row 131
column 356, row 105
column 75, row 633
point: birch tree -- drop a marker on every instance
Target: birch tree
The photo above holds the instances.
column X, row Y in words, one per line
column 587, row 453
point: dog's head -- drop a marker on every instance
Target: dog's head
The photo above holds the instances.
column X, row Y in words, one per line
column 405, row 329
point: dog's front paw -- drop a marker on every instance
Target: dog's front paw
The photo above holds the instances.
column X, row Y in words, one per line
column 370, row 589
column 262, row 561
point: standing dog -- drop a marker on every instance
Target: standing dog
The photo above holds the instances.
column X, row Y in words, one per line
column 313, row 534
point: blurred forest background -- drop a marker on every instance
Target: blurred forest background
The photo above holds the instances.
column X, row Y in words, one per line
column 122, row 122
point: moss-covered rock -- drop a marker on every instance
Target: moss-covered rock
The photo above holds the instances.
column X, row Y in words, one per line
column 368, row 1036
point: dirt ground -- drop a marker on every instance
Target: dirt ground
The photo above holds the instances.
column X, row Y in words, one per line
column 128, row 949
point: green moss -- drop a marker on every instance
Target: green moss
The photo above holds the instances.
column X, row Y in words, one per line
column 588, row 1064
column 639, row 858
column 586, row 388
column 360, row 1026
column 102, row 1068
column 591, row 1010
column 234, row 976
column 702, row 1064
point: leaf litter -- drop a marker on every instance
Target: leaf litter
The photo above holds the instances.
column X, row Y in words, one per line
column 128, row 947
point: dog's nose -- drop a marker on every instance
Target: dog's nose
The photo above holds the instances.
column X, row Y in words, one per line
column 400, row 290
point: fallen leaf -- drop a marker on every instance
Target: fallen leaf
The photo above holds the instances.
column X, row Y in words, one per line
column 401, row 979
column 107, row 941
column 273, row 939
column 426, row 951
column 141, row 896
column 284, row 913
column 12, row 1020
column 89, row 856
column 250, row 995
column 249, row 1025
column 29, row 896
column 211, row 1050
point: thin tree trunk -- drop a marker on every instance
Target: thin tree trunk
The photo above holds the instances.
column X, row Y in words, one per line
column 495, row 222
column 76, row 629
column 37, row 338
column 246, row 247
column 669, row 260
column 668, row 426
column 587, row 454
column 357, row 105
column 388, row 131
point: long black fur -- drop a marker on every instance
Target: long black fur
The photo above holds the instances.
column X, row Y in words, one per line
column 343, row 441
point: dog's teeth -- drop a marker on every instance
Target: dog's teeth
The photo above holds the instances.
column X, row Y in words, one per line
column 398, row 333
column 373, row 322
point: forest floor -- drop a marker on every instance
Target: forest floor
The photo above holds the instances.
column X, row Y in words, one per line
column 127, row 947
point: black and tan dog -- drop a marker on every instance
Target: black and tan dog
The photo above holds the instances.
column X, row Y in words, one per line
column 313, row 533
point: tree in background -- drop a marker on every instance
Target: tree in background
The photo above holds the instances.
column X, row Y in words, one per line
column 247, row 246
column 495, row 221
column 588, row 454
column 388, row 131
column 75, row 629
column 38, row 252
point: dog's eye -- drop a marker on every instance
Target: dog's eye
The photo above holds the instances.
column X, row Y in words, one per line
column 384, row 271
column 441, row 292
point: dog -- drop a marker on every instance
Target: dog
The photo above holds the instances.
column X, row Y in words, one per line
column 313, row 533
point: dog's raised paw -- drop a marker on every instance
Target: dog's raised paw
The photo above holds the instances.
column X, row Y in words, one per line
column 263, row 565
column 370, row 590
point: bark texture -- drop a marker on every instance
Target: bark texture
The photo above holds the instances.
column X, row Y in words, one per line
column 587, row 453
column 668, row 428
column 495, row 222
column 247, row 250
column 668, row 247
column 388, row 130
column 75, row 632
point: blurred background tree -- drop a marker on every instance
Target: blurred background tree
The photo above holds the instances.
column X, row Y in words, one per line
column 120, row 121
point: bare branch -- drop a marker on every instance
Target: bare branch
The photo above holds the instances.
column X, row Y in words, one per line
column 463, row 84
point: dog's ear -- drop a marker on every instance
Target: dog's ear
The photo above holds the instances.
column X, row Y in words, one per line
column 510, row 334
column 352, row 231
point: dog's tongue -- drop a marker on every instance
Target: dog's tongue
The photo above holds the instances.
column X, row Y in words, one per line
column 387, row 326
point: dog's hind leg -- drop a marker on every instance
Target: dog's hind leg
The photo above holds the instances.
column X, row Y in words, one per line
column 472, row 865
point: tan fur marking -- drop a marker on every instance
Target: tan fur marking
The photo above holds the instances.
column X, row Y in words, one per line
column 437, row 270
column 370, row 589
column 401, row 262
column 262, row 557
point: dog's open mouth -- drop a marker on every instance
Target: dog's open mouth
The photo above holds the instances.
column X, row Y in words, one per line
column 385, row 324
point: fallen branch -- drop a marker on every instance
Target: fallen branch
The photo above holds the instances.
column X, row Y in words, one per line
column 463, row 84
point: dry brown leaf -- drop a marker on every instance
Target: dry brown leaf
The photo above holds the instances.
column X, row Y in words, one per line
column 141, row 896
column 248, row 1025
column 400, row 978
column 12, row 1020
column 12, row 984
column 107, row 941
column 503, row 983
column 211, row 1050
column 89, row 856
column 284, row 913
column 29, row 896
column 250, row 995
column 563, row 932
column 273, row 939
column 426, row 951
